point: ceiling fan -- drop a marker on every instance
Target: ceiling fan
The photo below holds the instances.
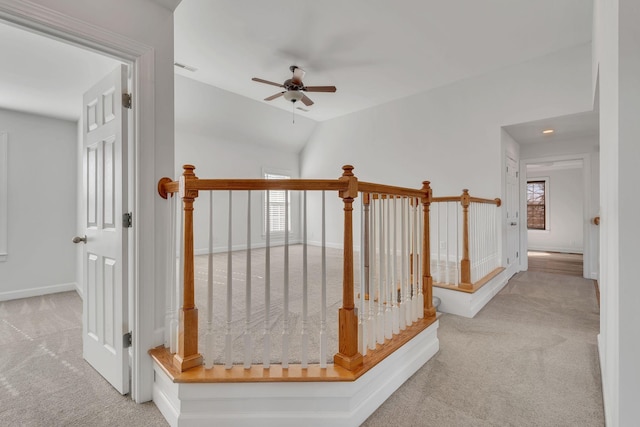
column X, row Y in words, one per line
column 294, row 87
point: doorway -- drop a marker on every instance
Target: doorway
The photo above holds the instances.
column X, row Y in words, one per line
column 48, row 76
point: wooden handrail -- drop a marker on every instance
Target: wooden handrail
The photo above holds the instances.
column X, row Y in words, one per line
column 496, row 201
column 166, row 187
column 368, row 187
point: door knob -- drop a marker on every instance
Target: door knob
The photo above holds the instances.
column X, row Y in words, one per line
column 514, row 223
column 79, row 239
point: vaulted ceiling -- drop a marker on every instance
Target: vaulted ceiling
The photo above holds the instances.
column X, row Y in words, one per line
column 374, row 51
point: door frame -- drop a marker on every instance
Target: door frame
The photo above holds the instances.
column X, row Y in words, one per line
column 588, row 249
column 140, row 57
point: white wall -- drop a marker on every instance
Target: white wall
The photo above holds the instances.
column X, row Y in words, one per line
column 450, row 135
column 565, row 199
column 229, row 136
column 618, row 33
column 41, row 205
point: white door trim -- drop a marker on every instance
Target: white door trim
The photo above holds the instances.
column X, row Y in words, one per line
column 53, row 24
column 586, row 206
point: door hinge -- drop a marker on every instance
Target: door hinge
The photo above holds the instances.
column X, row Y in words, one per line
column 516, row 172
column 126, row 100
column 127, row 340
column 127, row 220
column 517, row 254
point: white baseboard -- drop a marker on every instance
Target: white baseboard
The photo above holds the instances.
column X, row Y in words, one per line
column 35, row 292
column 554, row 249
column 466, row 304
column 292, row 404
column 79, row 290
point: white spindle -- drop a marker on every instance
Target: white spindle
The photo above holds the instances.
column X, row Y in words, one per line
column 407, row 248
column 420, row 304
column 388, row 311
column 285, row 322
column 180, row 287
column 266, row 357
column 208, row 348
column 305, row 287
column 172, row 315
column 414, row 239
column 248, row 345
column 362, row 331
column 373, row 274
column 323, row 302
column 395, row 289
column 403, row 265
column 381, row 274
column 227, row 334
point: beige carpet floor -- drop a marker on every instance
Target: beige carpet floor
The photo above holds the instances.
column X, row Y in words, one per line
column 529, row 358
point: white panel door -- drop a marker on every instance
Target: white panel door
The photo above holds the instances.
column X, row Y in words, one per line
column 512, row 215
column 105, row 272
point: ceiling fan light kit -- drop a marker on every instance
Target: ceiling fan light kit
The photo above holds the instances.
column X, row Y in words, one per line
column 293, row 95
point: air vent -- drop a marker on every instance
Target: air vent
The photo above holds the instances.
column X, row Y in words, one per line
column 184, row 66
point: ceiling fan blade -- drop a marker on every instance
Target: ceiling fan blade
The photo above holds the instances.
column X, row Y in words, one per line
column 255, row 79
column 319, row 88
column 306, row 101
column 272, row 97
column 298, row 74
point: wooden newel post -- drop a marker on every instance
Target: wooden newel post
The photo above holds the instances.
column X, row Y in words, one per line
column 187, row 355
column 427, row 280
column 465, row 263
column 348, row 355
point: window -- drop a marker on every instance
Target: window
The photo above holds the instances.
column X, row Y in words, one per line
column 537, row 211
column 276, row 207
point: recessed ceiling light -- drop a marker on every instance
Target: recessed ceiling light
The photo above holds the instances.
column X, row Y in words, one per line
column 548, row 131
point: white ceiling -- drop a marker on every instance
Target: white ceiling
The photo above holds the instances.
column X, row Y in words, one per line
column 565, row 128
column 373, row 51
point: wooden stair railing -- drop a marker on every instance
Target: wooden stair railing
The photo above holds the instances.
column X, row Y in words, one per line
column 465, row 263
column 348, row 187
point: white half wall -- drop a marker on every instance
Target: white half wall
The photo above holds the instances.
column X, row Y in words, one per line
column 41, row 205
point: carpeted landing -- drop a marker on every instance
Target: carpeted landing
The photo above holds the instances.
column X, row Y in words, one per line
column 528, row 358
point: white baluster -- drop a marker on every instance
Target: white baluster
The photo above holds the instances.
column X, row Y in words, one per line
column 394, row 279
column 285, row 323
column 266, row 357
column 208, row 347
column 180, row 282
column 305, row 287
column 227, row 335
column 248, row 345
column 403, row 265
column 362, row 331
column 420, row 303
column 171, row 337
column 388, row 286
column 323, row 302
column 381, row 274
column 373, row 274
